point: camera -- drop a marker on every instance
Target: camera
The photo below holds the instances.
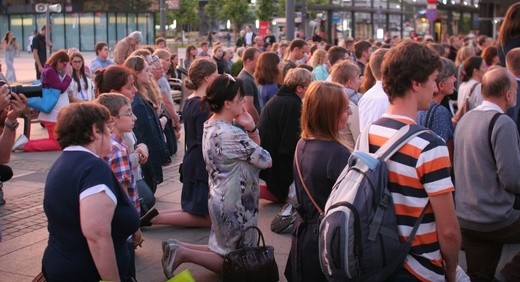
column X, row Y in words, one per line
column 29, row 91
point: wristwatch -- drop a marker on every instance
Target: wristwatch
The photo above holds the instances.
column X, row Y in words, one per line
column 11, row 126
column 252, row 130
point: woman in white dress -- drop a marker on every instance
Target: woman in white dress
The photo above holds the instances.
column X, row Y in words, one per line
column 11, row 48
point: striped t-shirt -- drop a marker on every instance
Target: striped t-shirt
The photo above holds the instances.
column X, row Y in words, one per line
column 419, row 169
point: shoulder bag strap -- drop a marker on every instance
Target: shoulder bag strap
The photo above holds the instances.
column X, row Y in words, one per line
column 297, row 161
column 430, row 115
column 490, row 132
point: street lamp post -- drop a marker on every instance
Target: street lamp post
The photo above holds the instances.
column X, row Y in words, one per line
column 48, row 9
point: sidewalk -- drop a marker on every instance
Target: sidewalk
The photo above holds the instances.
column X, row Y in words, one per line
column 24, row 223
column 25, row 234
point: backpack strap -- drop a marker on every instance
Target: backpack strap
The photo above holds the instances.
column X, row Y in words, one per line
column 398, row 140
column 297, row 161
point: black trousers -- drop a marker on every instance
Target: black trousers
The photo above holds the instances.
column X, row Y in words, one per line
column 483, row 251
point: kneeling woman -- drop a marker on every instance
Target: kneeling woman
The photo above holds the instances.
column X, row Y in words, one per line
column 89, row 215
column 321, row 155
column 233, row 159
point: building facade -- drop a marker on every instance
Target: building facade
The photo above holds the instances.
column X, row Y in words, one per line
column 363, row 18
column 76, row 26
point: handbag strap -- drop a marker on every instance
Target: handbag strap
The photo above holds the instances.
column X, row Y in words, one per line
column 297, row 161
column 473, row 88
column 430, row 115
column 260, row 236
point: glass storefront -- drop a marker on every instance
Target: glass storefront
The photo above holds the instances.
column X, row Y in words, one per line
column 80, row 30
column 363, row 19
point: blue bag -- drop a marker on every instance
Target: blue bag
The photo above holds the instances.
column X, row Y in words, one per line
column 45, row 103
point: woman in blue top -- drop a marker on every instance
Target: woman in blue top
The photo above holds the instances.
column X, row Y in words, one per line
column 89, row 215
column 438, row 117
column 268, row 75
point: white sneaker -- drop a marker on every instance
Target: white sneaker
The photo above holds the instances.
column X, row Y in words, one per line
column 22, row 140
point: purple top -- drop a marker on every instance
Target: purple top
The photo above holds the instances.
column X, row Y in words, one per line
column 51, row 78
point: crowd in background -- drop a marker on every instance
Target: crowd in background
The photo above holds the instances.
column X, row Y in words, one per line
column 245, row 118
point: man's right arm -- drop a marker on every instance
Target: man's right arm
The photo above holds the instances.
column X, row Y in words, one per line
column 37, row 59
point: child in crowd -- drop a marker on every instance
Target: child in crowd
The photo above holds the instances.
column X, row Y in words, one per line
column 124, row 119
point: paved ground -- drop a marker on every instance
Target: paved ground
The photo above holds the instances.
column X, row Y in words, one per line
column 24, row 223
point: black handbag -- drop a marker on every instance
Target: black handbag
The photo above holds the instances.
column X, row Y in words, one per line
column 251, row 263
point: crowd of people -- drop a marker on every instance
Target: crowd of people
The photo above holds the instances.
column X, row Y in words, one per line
column 279, row 124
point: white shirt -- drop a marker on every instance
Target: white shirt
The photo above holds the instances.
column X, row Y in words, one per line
column 464, row 90
column 489, row 106
column 372, row 105
column 249, row 38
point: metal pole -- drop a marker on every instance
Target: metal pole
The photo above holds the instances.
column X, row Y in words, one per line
column 162, row 18
column 48, row 31
column 289, row 20
column 304, row 19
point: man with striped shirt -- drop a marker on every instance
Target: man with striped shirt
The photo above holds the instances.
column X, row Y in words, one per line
column 419, row 173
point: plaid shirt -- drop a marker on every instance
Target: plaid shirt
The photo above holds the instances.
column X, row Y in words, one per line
column 119, row 162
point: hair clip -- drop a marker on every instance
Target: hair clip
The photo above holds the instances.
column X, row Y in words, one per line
column 231, row 77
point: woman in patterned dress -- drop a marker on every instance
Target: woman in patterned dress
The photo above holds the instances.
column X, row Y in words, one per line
column 233, row 159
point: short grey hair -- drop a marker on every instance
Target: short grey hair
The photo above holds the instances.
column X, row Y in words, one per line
column 448, row 69
column 137, row 36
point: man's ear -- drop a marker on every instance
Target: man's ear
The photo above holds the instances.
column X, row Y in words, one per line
column 415, row 85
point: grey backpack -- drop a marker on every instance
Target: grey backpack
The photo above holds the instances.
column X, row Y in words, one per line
column 358, row 239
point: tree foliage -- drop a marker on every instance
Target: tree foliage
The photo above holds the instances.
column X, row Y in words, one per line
column 237, row 11
column 265, row 10
column 214, row 9
column 187, row 13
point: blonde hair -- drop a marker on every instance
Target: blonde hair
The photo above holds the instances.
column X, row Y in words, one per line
column 464, row 53
column 149, row 91
column 318, row 58
column 323, row 105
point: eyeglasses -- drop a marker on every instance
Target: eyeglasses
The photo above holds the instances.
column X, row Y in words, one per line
column 127, row 114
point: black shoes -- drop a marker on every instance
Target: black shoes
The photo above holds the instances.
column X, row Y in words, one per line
column 146, row 219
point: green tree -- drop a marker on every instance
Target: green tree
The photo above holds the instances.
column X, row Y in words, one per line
column 238, row 12
column 186, row 15
column 214, row 9
column 265, row 10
